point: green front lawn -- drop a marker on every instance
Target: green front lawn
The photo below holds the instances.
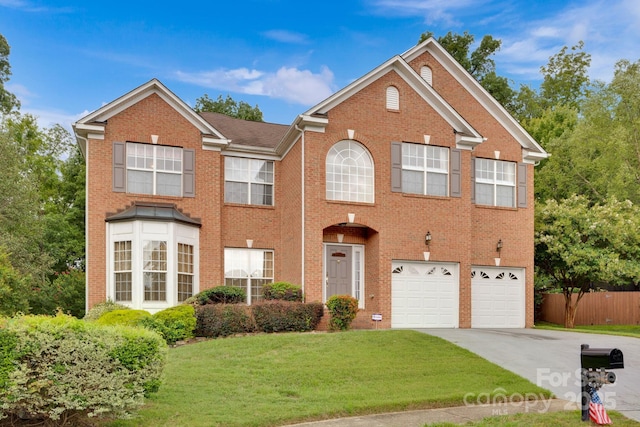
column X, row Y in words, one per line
column 625, row 330
column 274, row 379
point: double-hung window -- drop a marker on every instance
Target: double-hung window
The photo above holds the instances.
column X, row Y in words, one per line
column 248, row 181
column 495, row 182
column 425, row 169
column 154, row 169
column 248, row 269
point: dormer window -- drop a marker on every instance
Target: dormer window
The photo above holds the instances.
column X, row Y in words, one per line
column 393, row 98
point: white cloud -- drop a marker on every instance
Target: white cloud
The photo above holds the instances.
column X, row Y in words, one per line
column 288, row 83
column 286, row 36
column 443, row 11
column 27, row 6
column 609, row 30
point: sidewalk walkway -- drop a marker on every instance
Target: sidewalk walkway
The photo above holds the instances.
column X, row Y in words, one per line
column 458, row 414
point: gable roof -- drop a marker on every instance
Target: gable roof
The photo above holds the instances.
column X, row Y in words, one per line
column 466, row 134
column 532, row 151
column 92, row 125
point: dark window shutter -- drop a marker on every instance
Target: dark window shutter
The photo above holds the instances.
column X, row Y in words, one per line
column 119, row 167
column 473, row 180
column 396, row 167
column 522, row 185
column 188, row 173
column 456, row 190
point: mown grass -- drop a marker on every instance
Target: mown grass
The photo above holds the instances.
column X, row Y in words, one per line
column 624, row 330
column 533, row 419
column 269, row 380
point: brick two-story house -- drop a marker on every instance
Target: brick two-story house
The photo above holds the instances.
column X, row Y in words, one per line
column 411, row 189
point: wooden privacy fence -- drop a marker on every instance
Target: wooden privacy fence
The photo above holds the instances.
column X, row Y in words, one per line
column 595, row 308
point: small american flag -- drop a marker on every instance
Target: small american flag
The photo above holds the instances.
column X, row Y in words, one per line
column 597, row 413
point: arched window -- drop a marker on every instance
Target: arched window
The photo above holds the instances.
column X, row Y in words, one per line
column 393, row 98
column 427, row 75
column 349, row 170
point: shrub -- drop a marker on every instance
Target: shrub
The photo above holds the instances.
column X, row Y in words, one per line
column 65, row 370
column 342, row 309
column 65, row 293
column 123, row 317
column 174, row 324
column 222, row 295
column 101, row 308
column 282, row 291
column 286, row 316
column 221, row 320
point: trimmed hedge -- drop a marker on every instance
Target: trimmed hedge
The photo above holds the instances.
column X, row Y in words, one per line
column 287, row 316
column 174, row 324
column 343, row 309
column 282, row 291
column 99, row 309
column 222, row 320
column 126, row 317
column 61, row 370
column 222, row 295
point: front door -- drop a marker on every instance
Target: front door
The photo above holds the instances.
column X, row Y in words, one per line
column 338, row 270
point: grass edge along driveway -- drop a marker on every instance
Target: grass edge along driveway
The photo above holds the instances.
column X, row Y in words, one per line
column 276, row 379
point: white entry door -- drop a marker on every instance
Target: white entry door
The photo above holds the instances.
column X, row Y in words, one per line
column 424, row 295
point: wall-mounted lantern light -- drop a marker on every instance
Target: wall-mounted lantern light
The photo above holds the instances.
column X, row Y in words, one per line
column 427, row 238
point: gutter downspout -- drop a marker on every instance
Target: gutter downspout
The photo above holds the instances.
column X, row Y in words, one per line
column 86, row 222
column 302, row 210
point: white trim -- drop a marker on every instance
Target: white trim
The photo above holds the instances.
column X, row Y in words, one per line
column 135, row 232
column 476, row 90
column 362, row 258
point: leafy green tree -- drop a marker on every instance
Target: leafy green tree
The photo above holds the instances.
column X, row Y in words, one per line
column 8, row 101
column 565, row 77
column 14, row 289
column 479, row 63
column 229, row 107
column 579, row 244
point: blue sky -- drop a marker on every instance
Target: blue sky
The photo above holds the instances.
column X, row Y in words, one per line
column 69, row 58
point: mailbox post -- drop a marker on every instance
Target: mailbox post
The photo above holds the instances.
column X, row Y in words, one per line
column 594, row 364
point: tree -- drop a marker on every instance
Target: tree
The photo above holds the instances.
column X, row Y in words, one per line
column 565, row 77
column 229, row 107
column 8, row 101
column 478, row 63
column 579, row 245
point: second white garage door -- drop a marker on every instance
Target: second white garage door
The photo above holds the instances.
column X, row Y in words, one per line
column 497, row 297
column 424, row 295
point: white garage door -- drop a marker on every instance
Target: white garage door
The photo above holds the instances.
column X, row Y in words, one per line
column 497, row 297
column 424, row 295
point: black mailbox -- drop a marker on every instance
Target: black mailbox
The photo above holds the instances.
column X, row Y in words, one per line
column 601, row 358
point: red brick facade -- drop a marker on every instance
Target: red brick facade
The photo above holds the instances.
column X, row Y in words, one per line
column 302, row 220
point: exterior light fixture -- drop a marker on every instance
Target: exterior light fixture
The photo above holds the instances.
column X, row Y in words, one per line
column 427, row 238
column 499, row 246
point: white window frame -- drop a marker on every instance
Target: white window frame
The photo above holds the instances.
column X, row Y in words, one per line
column 238, row 266
column 357, row 272
column 426, row 161
column 151, row 164
column 251, row 168
column 350, row 173
column 138, row 232
column 493, row 173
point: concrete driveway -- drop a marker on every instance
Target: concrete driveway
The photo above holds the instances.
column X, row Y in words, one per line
column 551, row 359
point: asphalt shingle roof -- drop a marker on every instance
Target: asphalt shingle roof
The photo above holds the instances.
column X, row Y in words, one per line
column 245, row 132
